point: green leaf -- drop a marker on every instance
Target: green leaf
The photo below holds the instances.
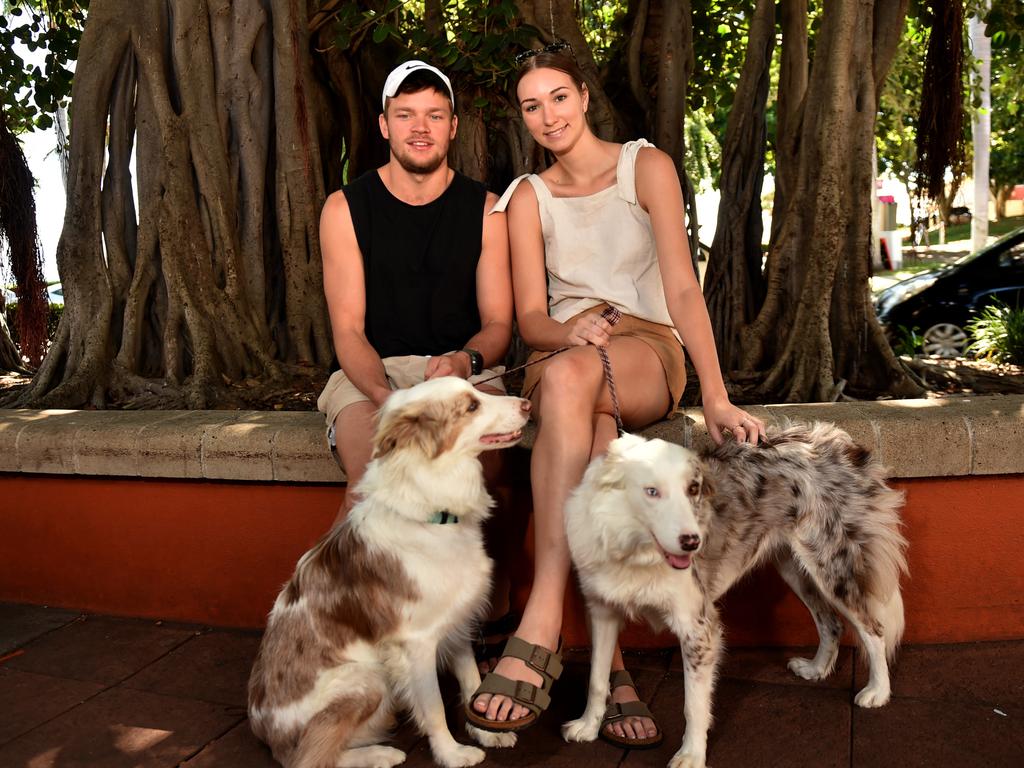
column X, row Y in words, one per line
column 481, row 101
column 380, row 34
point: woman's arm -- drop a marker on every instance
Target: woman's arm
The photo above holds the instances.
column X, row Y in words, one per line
column 529, row 283
column 658, row 192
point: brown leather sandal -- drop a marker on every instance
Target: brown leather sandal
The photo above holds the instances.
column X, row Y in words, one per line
column 618, row 712
column 548, row 664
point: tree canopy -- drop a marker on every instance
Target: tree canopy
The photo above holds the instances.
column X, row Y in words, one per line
column 242, row 115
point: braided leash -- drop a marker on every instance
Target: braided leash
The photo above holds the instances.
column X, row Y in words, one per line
column 612, row 316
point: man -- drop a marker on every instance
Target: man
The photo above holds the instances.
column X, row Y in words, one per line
column 416, row 272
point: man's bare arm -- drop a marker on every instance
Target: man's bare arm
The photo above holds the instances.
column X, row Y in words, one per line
column 345, row 289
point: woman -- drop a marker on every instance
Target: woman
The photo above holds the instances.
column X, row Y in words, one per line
column 603, row 225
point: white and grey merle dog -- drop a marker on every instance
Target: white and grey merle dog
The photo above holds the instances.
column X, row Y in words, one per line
column 657, row 532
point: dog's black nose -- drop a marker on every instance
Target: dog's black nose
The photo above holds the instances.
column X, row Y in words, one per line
column 689, row 541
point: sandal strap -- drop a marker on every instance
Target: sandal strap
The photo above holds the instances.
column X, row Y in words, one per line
column 544, row 662
column 521, row 692
column 616, row 712
column 622, row 677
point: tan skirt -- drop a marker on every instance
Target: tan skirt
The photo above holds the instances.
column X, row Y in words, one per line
column 657, row 336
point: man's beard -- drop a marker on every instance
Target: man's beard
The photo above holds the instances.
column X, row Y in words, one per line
column 423, row 167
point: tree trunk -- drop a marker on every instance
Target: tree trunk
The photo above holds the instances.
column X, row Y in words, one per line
column 1001, row 194
column 216, row 281
column 793, row 76
column 816, row 332
column 733, row 283
column 10, row 358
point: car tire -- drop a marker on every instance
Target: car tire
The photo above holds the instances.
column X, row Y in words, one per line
column 945, row 340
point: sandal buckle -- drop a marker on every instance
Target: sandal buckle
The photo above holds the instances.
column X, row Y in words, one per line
column 539, row 658
column 525, row 691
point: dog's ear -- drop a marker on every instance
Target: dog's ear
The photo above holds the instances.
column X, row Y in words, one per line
column 613, row 466
column 707, row 483
column 419, row 426
column 612, row 473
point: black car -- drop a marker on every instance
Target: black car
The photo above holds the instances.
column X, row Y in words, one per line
column 941, row 302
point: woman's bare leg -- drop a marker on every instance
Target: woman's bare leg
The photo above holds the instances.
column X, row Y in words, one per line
column 572, row 391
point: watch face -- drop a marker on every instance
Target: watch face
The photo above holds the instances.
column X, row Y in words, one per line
column 476, row 362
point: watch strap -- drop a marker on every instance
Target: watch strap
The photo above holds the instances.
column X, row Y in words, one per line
column 476, row 361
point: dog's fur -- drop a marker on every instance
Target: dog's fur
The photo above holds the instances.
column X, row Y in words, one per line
column 387, row 595
column 810, row 499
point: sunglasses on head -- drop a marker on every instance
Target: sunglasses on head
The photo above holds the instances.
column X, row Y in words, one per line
column 555, row 47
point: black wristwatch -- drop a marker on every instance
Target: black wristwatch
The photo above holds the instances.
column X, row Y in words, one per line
column 476, row 362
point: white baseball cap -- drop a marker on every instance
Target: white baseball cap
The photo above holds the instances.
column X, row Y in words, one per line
column 402, row 71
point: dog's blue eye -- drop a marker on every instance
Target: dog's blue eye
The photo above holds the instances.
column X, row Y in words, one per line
column 652, row 491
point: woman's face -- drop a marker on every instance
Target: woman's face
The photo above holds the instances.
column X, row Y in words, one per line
column 553, row 108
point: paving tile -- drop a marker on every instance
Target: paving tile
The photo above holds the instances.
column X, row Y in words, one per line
column 542, row 744
column 121, row 728
column 768, row 665
column 20, row 624
column 758, row 724
column 100, row 649
column 28, row 700
column 983, row 673
column 238, row 748
column 213, row 666
column 918, row 733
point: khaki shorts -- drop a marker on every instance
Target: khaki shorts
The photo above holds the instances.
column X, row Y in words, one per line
column 659, row 337
column 403, row 372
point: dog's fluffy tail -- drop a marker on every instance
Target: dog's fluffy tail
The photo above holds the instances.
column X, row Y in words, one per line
column 890, row 615
column 886, row 555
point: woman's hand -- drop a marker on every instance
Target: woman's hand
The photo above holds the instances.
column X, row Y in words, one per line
column 721, row 415
column 591, row 328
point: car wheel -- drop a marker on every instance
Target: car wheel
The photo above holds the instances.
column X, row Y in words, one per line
column 945, row 340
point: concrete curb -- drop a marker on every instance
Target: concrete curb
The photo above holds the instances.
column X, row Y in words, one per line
column 944, row 437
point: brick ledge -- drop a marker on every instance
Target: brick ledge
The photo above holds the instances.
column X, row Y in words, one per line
column 916, row 438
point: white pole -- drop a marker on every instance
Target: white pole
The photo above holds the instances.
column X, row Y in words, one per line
column 982, row 129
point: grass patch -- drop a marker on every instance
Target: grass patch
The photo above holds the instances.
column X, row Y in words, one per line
column 963, row 231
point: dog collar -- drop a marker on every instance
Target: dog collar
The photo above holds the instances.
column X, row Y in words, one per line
column 444, row 517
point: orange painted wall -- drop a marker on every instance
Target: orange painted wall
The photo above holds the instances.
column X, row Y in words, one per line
column 217, row 552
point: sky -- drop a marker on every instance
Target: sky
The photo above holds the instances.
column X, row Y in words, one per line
column 40, row 151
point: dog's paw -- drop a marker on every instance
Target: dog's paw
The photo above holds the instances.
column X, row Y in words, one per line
column 490, row 739
column 687, row 760
column 872, row 696
column 377, row 756
column 807, row 669
column 580, row 730
column 459, row 756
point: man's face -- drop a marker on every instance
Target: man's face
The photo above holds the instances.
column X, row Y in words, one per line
column 419, row 127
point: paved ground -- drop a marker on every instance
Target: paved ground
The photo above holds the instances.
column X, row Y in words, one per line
column 98, row 691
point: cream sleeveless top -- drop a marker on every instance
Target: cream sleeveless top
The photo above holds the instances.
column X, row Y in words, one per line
column 600, row 247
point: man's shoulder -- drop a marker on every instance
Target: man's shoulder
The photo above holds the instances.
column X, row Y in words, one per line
column 469, row 183
column 366, row 181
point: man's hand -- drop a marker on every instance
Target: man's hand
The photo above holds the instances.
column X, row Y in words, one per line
column 452, row 364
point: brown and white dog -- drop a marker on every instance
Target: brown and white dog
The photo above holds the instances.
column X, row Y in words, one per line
column 374, row 607
column 657, row 532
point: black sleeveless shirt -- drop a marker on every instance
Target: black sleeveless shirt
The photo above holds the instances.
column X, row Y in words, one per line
column 420, row 265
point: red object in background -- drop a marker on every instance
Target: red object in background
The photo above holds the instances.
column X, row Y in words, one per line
column 886, row 199
column 1018, row 192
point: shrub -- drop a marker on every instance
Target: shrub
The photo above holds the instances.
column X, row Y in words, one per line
column 998, row 334
column 907, row 342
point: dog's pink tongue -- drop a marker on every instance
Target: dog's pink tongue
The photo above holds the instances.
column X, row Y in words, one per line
column 679, row 562
column 502, row 438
